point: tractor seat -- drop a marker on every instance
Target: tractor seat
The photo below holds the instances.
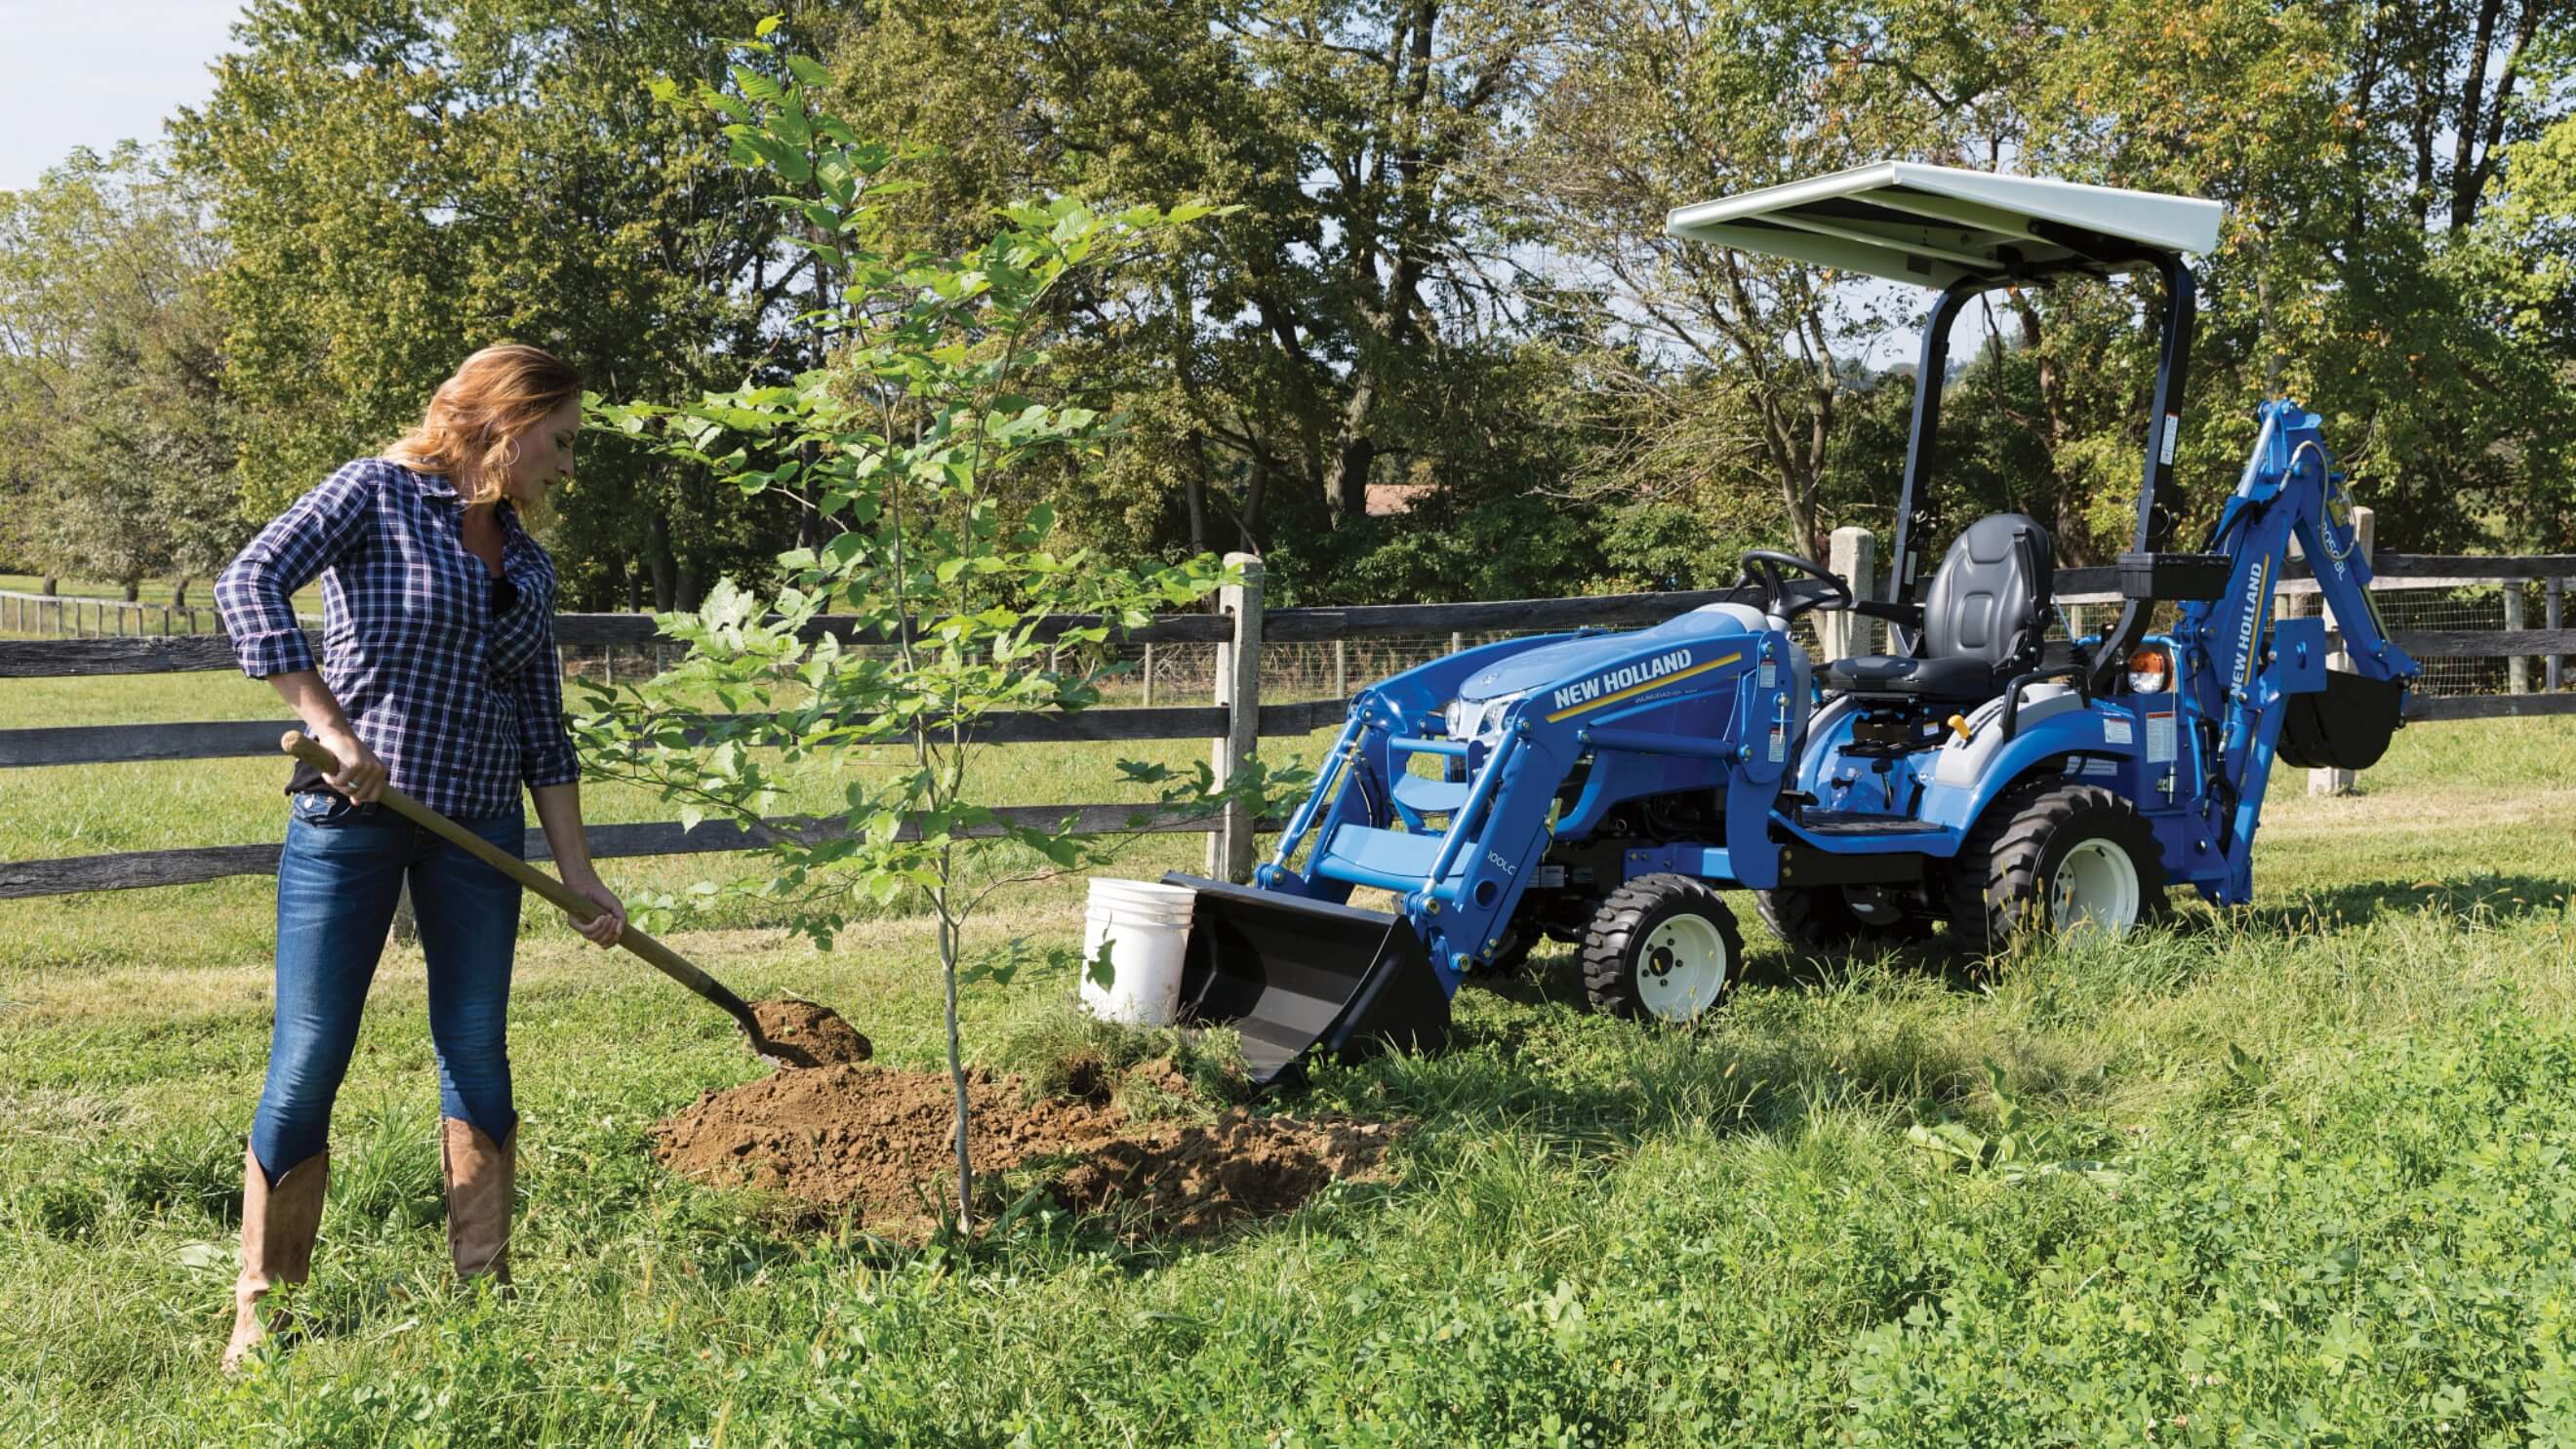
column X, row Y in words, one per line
column 1983, row 618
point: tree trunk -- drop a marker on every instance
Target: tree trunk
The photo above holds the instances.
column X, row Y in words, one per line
column 657, row 557
column 633, row 569
column 133, row 590
column 51, row 585
column 2066, row 510
column 1194, row 493
column 179, row 592
column 691, row 589
column 1346, row 478
column 956, row 1074
column 1256, row 494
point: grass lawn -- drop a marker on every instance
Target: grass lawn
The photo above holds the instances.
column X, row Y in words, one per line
column 2297, row 1175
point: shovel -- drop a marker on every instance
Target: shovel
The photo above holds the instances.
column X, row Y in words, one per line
column 669, row 962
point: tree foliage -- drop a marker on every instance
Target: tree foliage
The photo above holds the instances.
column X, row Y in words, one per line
column 1439, row 344
column 115, row 441
column 455, row 174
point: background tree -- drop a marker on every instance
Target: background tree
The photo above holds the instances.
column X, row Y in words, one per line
column 1352, row 322
column 115, row 442
column 1443, row 283
column 462, row 173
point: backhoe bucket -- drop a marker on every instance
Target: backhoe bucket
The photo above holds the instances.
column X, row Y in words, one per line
column 1293, row 975
column 2344, row 726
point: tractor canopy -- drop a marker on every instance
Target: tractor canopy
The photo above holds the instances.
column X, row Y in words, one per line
column 1936, row 226
column 1966, row 233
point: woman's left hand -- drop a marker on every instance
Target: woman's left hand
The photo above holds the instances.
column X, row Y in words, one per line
column 610, row 923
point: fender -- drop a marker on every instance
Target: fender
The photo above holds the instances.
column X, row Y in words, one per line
column 1968, row 776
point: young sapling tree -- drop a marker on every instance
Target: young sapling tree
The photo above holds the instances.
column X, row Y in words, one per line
column 919, row 444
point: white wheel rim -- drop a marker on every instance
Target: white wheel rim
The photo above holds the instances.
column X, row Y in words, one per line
column 2095, row 889
column 1682, row 968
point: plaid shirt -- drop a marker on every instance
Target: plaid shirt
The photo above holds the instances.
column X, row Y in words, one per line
column 453, row 682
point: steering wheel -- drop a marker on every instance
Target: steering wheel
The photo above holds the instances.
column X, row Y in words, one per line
column 1790, row 598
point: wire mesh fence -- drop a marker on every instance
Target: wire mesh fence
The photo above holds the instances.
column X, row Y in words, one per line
column 1185, row 673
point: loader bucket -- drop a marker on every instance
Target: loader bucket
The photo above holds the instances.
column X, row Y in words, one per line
column 1294, row 975
column 2344, row 726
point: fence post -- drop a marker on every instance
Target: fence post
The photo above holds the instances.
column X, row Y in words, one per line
column 1341, row 669
column 1149, row 676
column 1238, row 692
column 2517, row 667
column 2553, row 613
column 2326, row 779
column 1853, row 556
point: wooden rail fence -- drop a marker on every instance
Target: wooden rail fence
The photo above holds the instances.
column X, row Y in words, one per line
column 1234, row 722
column 81, row 616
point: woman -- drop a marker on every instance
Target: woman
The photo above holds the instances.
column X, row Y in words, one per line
column 438, row 678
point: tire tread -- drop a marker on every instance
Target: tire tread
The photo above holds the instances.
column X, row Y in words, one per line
column 1614, row 928
column 1996, row 879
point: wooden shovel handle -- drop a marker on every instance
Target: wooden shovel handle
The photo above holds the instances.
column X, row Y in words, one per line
column 581, row 908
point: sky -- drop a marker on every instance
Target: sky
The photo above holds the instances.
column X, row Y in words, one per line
column 94, row 72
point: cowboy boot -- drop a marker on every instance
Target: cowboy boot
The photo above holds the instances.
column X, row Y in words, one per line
column 482, row 1177
column 278, row 1225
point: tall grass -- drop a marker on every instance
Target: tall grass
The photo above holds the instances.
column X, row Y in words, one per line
column 2295, row 1174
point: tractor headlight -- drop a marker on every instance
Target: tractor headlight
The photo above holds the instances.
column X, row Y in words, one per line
column 1475, row 719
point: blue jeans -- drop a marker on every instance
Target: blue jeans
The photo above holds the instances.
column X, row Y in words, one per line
column 337, row 885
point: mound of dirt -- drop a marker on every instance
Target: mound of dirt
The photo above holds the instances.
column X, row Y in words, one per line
column 807, row 1034
column 877, row 1145
column 1184, row 1181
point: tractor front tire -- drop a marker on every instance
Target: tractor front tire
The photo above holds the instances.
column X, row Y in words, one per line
column 1662, row 947
column 2055, row 857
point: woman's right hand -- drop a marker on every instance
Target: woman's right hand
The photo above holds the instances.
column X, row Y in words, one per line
column 361, row 776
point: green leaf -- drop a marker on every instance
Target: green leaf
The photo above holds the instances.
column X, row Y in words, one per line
column 755, row 85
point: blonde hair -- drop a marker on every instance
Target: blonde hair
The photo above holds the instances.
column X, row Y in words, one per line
column 496, row 394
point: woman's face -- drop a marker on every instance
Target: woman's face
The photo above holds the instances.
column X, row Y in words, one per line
column 545, row 456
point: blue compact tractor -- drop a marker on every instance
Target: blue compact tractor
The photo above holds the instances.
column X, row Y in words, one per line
column 1601, row 788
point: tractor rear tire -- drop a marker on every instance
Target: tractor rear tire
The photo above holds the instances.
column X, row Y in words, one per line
column 1662, row 947
column 2045, row 857
column 1821, row 920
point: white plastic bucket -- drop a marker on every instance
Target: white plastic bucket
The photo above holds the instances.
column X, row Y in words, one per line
column 1145, row 925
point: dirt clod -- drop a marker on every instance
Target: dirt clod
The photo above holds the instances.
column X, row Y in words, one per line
column 876, row 1145
column 808, row 1034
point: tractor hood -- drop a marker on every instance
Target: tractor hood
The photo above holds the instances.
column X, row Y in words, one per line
column 1571, row 659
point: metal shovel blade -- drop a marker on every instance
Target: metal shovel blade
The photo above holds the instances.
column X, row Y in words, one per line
column 1296, row 975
